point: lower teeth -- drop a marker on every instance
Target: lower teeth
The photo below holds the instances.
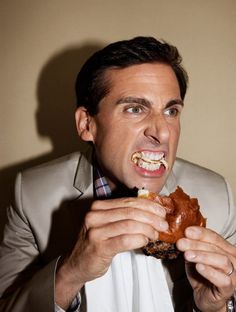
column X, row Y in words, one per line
column 151, row 167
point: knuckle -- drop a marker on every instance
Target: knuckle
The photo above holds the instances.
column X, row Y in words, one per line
column 129, row 213
column 215, row 248
column 129, row 201
column 226, row 261
column 227, row 282
column 97, row 204
column 128, row 225
column 92, row 235
column 215, row 236
column 89, row 219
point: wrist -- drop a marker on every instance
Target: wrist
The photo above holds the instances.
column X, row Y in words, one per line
column 67, row 286
column 223, row 308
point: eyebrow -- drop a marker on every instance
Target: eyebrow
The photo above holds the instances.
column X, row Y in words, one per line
column 145, row 102
column 174, row 102
column 131, row 99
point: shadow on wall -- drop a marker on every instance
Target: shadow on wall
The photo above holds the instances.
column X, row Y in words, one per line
column 54, row 116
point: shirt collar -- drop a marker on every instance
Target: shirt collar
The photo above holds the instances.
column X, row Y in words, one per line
column 101, row 186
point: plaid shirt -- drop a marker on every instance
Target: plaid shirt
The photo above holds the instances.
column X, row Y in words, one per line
column 101, row 187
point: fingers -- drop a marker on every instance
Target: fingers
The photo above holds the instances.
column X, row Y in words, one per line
column 206, row 235
column 118, row 225
column 122, row 227
column 214, row 258
column 185, row 244
column 210, row 262
column 217, row 261
column 199, row 238
column 141, row 203
column 219, row 283
column 204, row 246
column 140, row 210
column 112, row 226
column 218, row 278
column 101, row 217
column 123, row 243
column 216, row 267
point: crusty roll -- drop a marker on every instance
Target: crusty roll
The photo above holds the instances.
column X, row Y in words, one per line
column 181, row 211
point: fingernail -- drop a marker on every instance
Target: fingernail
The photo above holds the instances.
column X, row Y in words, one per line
column 182, row 244
column 156, row 235
column 189, row 255
column 201, row 267
column 161, row 211
column 193, row 232
column 164, row 225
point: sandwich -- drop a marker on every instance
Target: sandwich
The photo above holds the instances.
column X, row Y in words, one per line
column 181, row 211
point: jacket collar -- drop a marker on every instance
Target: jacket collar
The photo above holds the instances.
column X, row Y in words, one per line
column 84, row 173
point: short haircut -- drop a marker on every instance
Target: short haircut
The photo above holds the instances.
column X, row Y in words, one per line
column 91, row 85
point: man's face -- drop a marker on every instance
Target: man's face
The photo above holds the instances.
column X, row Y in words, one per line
column 136, row 130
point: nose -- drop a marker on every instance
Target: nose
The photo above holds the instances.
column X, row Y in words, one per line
column 157, row 130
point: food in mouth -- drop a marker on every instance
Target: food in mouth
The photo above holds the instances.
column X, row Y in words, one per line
column 181, row 211
column 149, row 160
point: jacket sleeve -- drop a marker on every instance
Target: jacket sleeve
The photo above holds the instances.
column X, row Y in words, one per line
column 229, row 229
column 26, row 283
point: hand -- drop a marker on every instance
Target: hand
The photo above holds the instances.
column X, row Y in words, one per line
column 209, row 261
column 111, row 226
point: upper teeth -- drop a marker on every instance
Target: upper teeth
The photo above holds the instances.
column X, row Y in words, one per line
column 150, row 158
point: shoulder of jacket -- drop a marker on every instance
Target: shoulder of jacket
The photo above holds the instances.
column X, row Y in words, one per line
column 58, row 163
column 52, row 177
column 183, row 168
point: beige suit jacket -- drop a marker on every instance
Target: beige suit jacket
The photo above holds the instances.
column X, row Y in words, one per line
column 50, row 203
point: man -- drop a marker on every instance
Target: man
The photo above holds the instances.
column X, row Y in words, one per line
column 75, row 231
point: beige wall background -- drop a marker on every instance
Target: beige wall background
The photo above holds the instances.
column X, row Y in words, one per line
column 43, row 44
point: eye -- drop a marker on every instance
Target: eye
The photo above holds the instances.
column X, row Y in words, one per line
column 134, row 109
column 172, row 112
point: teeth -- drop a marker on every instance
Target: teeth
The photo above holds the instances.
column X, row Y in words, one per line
column 149, row 160
column 148, row 156
column 148, row 166
column 164, row 163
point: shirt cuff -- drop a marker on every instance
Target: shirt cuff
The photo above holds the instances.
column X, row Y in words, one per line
column 74, row 307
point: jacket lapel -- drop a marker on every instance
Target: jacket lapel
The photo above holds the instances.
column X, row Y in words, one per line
column 83, row 180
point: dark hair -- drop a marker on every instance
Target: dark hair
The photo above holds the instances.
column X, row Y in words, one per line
column 91, row 85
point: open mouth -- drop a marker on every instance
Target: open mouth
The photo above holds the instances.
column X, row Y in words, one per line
column 149, row 160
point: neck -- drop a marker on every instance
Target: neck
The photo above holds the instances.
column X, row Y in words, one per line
column 123, row 191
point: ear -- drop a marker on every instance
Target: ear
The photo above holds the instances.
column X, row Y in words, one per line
column 83, row 124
